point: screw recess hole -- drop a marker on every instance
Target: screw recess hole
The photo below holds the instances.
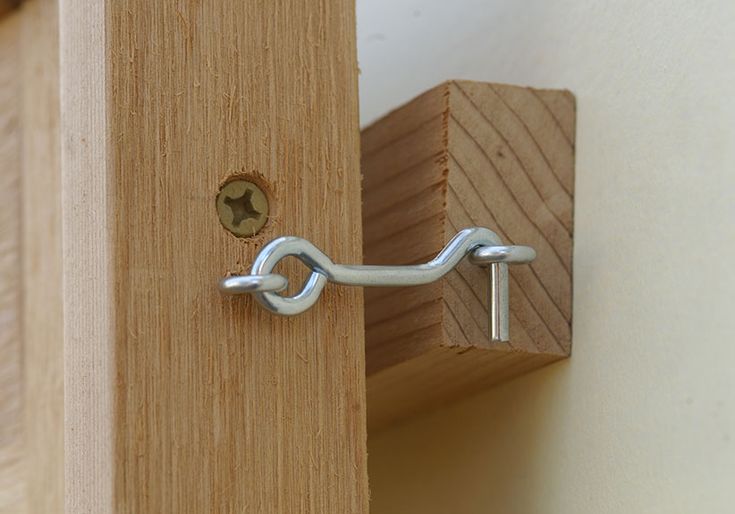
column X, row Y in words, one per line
column 242, row 207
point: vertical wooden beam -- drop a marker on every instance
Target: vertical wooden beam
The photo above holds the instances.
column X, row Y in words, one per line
column 43, row 365
column 12, row 470
column 179, row 400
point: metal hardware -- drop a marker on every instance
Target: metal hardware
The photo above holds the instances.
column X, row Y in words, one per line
column 242, row 207
column 482, row 245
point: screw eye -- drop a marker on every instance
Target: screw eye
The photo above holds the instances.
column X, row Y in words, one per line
column 242, row 208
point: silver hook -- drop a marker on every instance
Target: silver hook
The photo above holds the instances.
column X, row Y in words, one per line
column 481, row 244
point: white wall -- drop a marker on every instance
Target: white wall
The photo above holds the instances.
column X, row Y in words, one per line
column 642, row 418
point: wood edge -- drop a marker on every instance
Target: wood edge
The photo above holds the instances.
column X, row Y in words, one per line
column 446, row 114
column 566, row 92
column 381, row 416
column 407, row 105
column 88, row 307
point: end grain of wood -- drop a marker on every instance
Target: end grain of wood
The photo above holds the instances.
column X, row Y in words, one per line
column 466, row 154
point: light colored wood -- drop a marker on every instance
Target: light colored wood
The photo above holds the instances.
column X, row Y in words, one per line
column 12, row 468
column 466, row 154
column 43, row 364
column 177, row 399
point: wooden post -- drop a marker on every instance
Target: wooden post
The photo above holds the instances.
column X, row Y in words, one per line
column 177, row 399
column 466, row 154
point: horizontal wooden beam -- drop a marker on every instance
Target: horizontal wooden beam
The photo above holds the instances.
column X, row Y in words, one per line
column 466, row 154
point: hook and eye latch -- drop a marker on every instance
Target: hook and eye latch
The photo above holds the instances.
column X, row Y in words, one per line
column 482, row 246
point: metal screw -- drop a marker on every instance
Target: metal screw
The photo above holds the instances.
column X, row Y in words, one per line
column 242, row 207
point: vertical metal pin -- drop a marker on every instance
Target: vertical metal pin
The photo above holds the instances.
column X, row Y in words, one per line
column 498, row 303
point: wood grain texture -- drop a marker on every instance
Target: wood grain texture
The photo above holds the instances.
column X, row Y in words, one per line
column 12, row 468
column 177, row 399
column 43, row 345
column 466, row 154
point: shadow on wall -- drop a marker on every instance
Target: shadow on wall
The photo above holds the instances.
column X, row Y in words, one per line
column 442, row 463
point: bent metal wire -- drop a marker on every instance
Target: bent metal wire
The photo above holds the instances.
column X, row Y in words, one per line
column 483, row 246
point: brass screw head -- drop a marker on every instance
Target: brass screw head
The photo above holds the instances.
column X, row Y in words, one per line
column 242, row 207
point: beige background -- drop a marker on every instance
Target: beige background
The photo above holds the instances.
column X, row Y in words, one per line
column 642, row 418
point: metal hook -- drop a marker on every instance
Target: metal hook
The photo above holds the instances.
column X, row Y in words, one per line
column 481, row 244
